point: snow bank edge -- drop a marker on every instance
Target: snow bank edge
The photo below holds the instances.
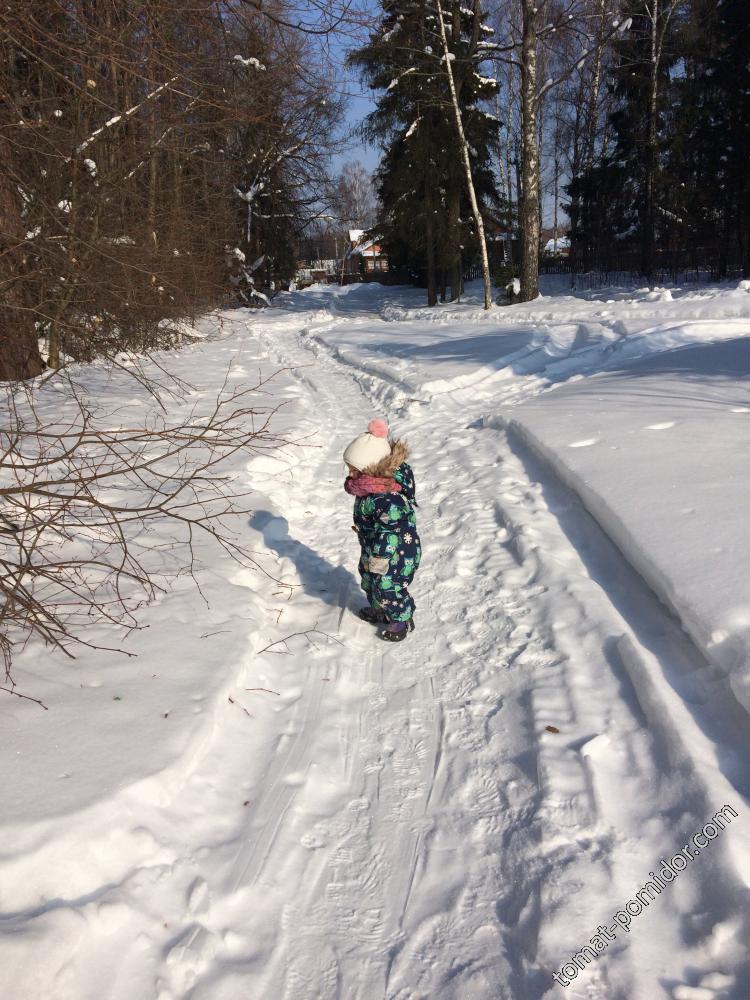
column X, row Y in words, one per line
column 731, row 655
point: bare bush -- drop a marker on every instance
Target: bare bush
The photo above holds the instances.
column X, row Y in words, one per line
column 96, row 516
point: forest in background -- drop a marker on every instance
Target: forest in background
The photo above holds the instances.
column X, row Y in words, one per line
column 155, row 157
column 149, row 153
column 626, row 125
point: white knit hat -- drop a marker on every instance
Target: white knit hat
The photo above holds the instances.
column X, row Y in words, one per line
column 369, row 448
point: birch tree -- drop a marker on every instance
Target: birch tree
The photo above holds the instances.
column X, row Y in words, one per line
column 464, row 148
column 421, row 180
column 563, row 36
column 658, row 15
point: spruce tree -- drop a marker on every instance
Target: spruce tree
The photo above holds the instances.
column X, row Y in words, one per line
column 627, row 195
column 425, row 222
column 711, row 147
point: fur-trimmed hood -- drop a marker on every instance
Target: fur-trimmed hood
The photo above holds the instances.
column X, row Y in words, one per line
column 386, row 467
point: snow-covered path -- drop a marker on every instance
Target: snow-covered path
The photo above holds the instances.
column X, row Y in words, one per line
column 448, row 819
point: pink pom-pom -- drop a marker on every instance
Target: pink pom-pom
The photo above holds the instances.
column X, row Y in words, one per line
column 378, row 428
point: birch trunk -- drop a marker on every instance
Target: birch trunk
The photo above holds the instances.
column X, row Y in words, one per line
column 464, row 147
column 592, row 112
column 529, row 157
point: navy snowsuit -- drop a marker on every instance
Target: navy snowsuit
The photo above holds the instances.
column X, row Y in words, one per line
column 387, row 529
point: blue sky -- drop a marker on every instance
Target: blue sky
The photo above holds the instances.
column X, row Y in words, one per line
column 359, row 96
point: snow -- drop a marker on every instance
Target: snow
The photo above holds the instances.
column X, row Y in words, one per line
column 680, row 512
column 251, row 63
column 395, row 82
column 248, row 810
column 90, row 165
column 557, row 243
column 412, row 128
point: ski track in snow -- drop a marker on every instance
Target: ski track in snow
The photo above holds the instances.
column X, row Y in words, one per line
column 413, row 829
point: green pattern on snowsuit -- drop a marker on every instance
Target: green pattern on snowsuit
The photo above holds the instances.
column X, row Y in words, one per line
column 387, row 529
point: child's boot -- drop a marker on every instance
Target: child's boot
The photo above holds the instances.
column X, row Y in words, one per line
column 397, row 631
column 375, row 616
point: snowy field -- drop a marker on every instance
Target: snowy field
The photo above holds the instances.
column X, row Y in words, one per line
column 542, row 793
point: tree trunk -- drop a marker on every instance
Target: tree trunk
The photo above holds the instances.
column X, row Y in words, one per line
column 454, row 228
column 648, row 214
column 19, row 348
column 464, row 146
column 529, row 159
column 430, row 240
column 592, row 109
column 19, row 351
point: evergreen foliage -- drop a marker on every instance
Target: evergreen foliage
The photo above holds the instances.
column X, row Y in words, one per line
column 623, row 196
column 711, row 146
column 426, row 222
column 674, row 182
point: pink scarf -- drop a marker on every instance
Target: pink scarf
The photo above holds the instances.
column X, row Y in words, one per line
column 364, row 485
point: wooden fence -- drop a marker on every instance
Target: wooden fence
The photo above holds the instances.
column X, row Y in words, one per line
column 671, row 266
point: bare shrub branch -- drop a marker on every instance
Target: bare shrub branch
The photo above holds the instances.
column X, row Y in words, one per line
column 99, row 516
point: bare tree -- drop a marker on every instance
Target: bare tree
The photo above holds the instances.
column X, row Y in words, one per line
column 658, row 15
column 561, row 36
column 353, row 197
column 126, row 129
column 530, row 167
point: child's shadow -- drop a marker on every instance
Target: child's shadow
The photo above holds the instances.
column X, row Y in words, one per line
column 331, row 584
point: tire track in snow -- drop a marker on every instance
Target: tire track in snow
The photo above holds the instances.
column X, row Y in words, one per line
column 394, row 755
column 466, row 850
column 574, row 797
column 484, row 969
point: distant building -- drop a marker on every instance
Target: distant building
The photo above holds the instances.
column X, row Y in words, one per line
column 365, row 257
column 503, row 245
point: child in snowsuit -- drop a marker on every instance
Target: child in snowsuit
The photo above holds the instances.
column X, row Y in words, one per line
column 383, row 486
